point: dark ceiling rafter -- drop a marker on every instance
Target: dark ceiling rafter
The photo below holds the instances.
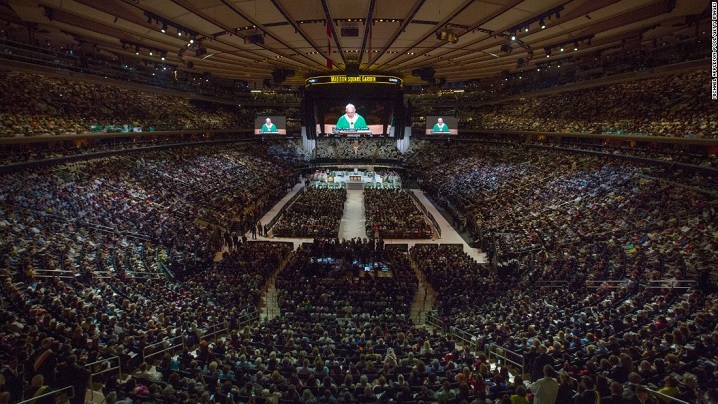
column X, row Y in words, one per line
column 403, row 45
column 600, row 45
column 594, row 27
column 140, row 21
column 483, row 21
column 184, row 4
column 466, row 46
column 398, row 32
column 367, row 29
column 262, row 28
column 294, row 25
column 330, row 22
column 441, row 24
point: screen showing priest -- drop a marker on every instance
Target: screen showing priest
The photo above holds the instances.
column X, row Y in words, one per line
column 441, row 125
column 270, row 125
column 351, row 120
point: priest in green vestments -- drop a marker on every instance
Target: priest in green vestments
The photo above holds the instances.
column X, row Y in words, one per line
column 440, row 126
column 351, row 120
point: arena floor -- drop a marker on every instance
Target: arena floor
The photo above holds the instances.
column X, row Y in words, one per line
column 353, row 223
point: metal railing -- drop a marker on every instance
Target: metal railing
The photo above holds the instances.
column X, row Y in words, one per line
column 514, row 358
column 433, row 320
column 54, row 273
column 671, row 284
column 50, row 394
column 609, row 283
column 216, row 329
column 110, row 368
column 465, row 337
column 172, row 346
column 551, row 284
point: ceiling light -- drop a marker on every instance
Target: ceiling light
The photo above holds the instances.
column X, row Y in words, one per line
column 543, row 24
column 526, row 28
column 513, row 36
column 164, row 27
column 562, row 49
column 137, row 50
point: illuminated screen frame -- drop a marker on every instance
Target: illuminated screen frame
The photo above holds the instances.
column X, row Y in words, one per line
column 450, row 121
column 280, row 121
column 361, row 79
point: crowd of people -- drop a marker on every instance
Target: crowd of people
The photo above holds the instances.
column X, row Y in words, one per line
column 669, row 105
column 317, row 212
column 33, row 105
column 352, row 279
column 392, row 213
column 600, row 249
column 343, row 149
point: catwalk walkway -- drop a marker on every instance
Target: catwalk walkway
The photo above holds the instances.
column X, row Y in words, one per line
column 353, row 221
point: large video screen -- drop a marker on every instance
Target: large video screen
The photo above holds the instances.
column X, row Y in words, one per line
column 377, row 105
column 362, row 116
column 442, row 125
column 270, row 125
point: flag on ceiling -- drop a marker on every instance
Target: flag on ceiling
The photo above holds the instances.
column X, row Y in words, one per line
column 330, row 63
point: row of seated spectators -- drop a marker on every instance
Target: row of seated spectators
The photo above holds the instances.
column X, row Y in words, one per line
column 352, row 149
column 597, row 272
column 236, row 280
column 697, row 156
column 31, row 152
column 567, row 71
column 289, row 150
column 32, row 105
column 458, row 280
column 479, row 174
column 671, row 105
column 134, row 214
column 317, row 212
column 666, row 152
column 322, row 360
column 55, row 329
column 329, row 279
column 392, row 213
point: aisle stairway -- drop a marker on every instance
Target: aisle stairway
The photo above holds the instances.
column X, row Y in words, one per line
column 424, row 298
column 268, row 302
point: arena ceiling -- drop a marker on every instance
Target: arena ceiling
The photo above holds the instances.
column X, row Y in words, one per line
column 455, row 40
